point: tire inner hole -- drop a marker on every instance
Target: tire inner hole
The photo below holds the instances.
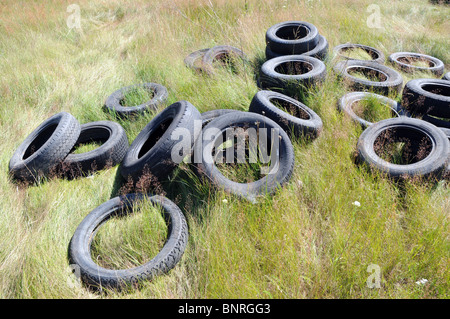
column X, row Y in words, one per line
column 137, row 96
column 90, row 139
column 290, row 108
column 367, row 74
column 240, row 158
column 130, row 239
column 359, row 53
column 154, row 136
column 416, row 61
column 294, row 68
column 402, row 146
column 437, row 89
column 40, row 140
column 293, row 32
column 372, row 109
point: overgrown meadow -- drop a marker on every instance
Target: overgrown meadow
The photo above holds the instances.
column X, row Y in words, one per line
column 309, row 240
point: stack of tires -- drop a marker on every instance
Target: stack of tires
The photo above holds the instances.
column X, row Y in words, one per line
column 294, row 52
column 295, row 38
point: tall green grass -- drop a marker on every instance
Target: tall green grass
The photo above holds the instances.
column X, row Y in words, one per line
column 309, row 240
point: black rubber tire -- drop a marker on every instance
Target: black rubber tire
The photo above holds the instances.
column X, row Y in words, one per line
column 432, row 166
column 192, row 60
column 221, row 50
column 208, row 116
column 377, row 55
column 156, row 160
column 250, row 191
column 270, row 78
column 291, row 124
column 45, row 148
column 279, row 44
column 320, row 51
column 346, row 102
column 392, row 84
column 446, row 76
column 438, row 122
column 114, row 106
column 98, row 277
column 109, row 154
column 420, row 101
column 437, row 67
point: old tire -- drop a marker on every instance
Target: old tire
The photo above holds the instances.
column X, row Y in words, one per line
column 98, row 277
column 150, row 154
column 391, row 80
column 220, row 51
column 320, row 51
column 289, row 71
column 432, row 166
column 45, row 148
column 113, row 103
column 194, row 61
column 345, row 105
column 250, row 191
column 110, row 153
column 376, row 55
column 299, row 121
column 292, row 37
column 401, row 59
column 427, row 96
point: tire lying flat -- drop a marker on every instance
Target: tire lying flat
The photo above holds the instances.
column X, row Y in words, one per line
column 345, row 105
column 98, row 277
column 427, row 96
column 114, row 105
column 45, row 148
column 267, row 184
column 218, row 52
column 304, row 122
column 400, row 59
column 391, row 82
column 109, row 154
column 377, row 55
column 292, row 37
column 194, row 61
column 432, row 166
column 320, row 51
column 275, row 75
column 150, row 154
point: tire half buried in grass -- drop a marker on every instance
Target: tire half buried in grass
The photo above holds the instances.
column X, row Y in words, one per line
column 114, row 103
column 281, row 152
column 404, row 147
column 96, row 276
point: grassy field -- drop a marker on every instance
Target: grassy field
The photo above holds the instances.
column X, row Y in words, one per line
column 310, row 240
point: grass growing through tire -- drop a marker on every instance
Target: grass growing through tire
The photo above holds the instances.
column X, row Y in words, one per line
column 132, row 240
column 307, row 241
column 372, row 109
